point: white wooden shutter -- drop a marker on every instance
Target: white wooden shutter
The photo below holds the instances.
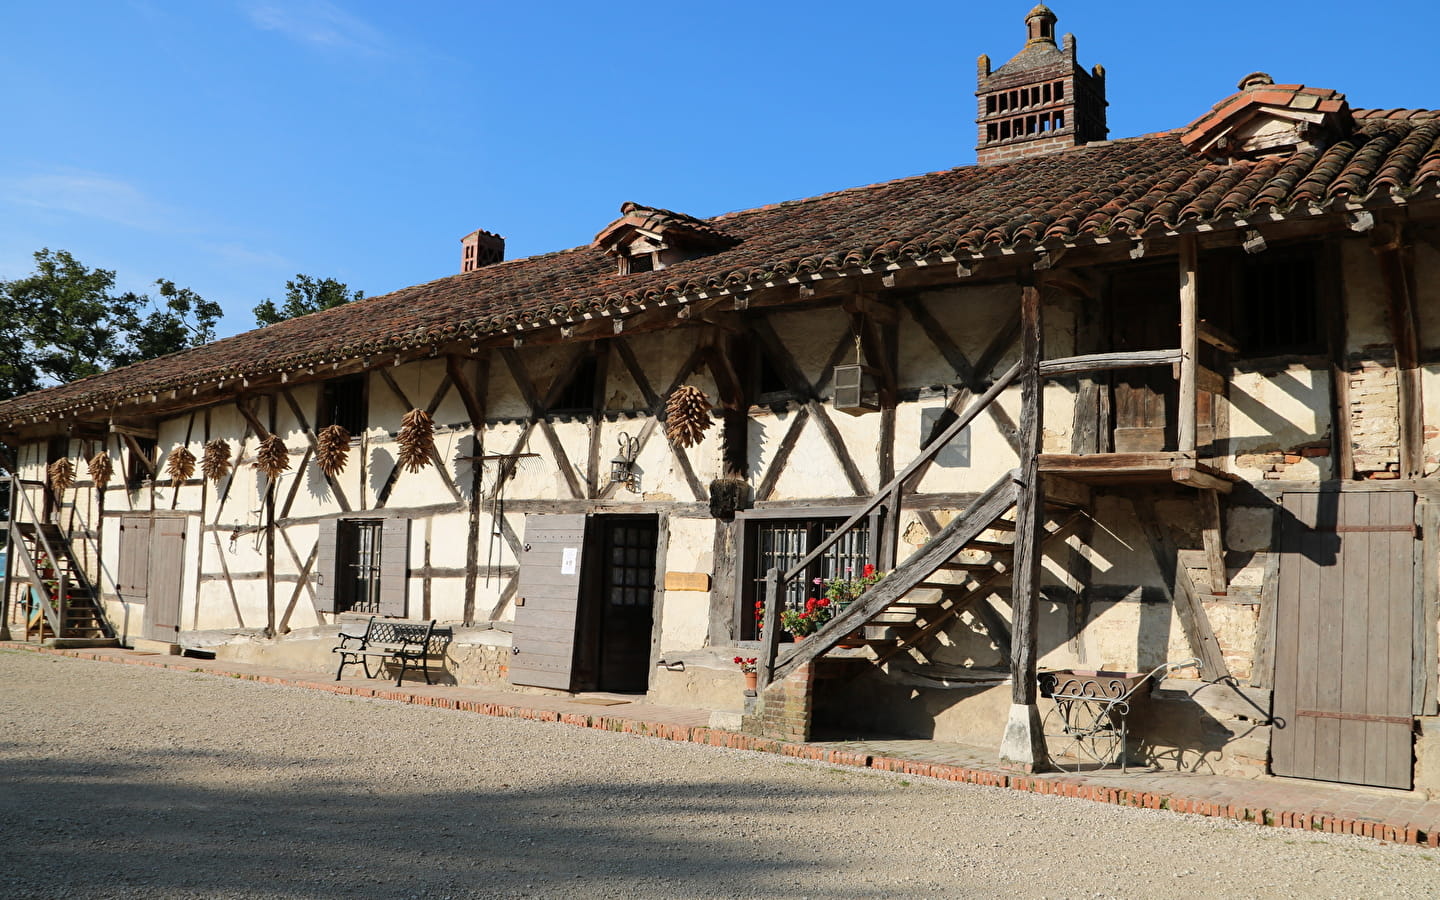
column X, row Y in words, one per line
column 327, row 573
column 394, row 566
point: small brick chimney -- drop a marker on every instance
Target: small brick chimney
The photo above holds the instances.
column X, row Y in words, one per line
column 1040, row 101
column 481, row 248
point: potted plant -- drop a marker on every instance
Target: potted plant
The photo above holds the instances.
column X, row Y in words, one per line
column 748, row 669
column 801, row 623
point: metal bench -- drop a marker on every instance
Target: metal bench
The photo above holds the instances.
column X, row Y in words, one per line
column 1088, row 720
column 406, row 644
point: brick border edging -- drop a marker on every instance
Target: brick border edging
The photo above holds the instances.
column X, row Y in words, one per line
column 1306, row 820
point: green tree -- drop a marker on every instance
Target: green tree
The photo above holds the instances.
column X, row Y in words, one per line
column 303, row 296
column 65, row 321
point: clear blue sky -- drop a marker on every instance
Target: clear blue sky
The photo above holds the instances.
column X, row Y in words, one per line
column 229, row 144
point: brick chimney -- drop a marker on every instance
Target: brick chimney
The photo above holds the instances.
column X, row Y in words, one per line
column 1040, row 101
column 480, row 248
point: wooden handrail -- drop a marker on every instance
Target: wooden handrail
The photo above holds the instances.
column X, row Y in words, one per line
column 930, row 451
column 1101, row 362
column 36, row 582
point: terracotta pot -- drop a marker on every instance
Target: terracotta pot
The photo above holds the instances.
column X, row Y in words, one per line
column 752, row 681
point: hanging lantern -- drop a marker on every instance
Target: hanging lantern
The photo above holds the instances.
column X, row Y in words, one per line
column 856, row 389
column 622, row 467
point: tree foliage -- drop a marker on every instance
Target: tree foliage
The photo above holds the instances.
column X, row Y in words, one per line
column 305, row 295
column 65, row 321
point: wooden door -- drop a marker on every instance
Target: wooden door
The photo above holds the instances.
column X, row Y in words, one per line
column 546, row 606
column 626, row 600
column 166, row 568
column 1344, row 631
column 1145, row 316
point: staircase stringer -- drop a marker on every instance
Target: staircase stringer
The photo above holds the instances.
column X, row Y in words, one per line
column 37, row 586
column 991, row 505
column 985, row 587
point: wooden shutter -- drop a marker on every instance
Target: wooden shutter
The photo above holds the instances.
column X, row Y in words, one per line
column 326, row 572
column 543, row 653
column 134, row 568
column 394, row 566
column 1344, row 638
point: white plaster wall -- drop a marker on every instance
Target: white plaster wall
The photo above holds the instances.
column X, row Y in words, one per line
column 685, row 615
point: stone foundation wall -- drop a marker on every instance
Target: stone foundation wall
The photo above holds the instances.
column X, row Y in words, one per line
column 785, row 710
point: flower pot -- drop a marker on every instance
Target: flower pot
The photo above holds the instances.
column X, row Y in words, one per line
column 752, row 682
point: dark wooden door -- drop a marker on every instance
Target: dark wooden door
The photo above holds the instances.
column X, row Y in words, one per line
column 1344, row 631
column 166, row 566
column 626, row 600
column 546, row 606
column 1145, row 316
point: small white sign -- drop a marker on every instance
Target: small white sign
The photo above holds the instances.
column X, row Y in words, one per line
column 567, row 562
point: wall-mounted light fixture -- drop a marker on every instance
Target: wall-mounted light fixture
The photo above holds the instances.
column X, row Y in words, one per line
column 622, row 467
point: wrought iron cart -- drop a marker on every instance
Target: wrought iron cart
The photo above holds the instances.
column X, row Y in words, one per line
column 1088, row 721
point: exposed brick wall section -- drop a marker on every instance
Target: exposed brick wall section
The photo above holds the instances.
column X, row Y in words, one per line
column 785, row 710
column 1375, row 413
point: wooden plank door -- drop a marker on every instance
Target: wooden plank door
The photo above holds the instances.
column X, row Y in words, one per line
column 166, row 568
column 543, row 653
column 1344, row 642
column 1146, row 316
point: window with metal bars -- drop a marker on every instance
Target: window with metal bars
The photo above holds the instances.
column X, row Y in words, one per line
column 1279, row 308
column 358, row 555
column 781, row 543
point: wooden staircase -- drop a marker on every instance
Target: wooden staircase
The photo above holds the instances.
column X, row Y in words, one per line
column 961, row 566
column 59, row 598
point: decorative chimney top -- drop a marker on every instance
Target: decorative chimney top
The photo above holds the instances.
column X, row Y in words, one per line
column 1040, row 101
column 481, row 248
column 1265, row 119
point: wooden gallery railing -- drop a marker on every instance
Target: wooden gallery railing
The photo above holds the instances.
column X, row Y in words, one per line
column 776, row 662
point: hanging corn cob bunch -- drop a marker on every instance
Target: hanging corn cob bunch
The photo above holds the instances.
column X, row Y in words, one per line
column 180, row 464
column 272, row 458
column 62, row 475
column 101, row 469
column 332, row 449
column 416, row 440
column 215, row 462
column 687, row 416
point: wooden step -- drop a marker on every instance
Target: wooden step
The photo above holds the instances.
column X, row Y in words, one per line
column 990, row 546
column 962, row 566
column 1002, row 525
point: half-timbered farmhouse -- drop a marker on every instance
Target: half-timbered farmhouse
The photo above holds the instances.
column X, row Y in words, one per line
column 1091, row 405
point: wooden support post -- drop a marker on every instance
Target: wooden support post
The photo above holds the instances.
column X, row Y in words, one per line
column 1189, row 346
column 270, row 631
column 1342, row 447
column 770, row 628
column 9, row 559
column 1024, row 742
column 1188, row 608
column 1213, row 536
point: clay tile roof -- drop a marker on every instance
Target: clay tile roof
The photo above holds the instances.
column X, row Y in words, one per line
column 1105, row 191
column 676, row 227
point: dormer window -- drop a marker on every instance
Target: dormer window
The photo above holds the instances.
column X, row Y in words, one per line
column 1268, row 119
column 645, row 239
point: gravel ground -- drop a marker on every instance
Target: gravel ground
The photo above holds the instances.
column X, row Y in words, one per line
column 121, row 781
